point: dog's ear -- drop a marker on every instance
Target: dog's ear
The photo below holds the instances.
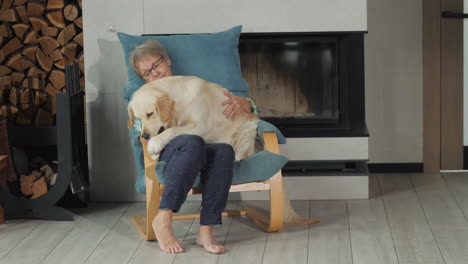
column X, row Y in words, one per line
column 131, row 115
column 165, row 107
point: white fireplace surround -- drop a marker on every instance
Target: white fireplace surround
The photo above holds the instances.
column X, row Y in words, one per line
column 111, row 162
column 202, row 16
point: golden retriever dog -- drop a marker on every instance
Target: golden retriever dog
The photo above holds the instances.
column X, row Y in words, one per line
column 177, row 105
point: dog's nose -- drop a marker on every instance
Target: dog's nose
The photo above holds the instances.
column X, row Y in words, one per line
column 145, row 136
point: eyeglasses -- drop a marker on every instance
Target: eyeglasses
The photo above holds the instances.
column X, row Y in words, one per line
column 147, row 74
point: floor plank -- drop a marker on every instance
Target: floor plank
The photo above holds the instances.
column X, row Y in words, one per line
column 291, row 244
column 149, row 252
column 97, row 221
column 458, row 184
column 440, row 208
column 329, row 242
column 412, row 235
column 245, row 243
column 121, row 241
column 453, row 245
column 13, row 232
column 40, row 242
column 371, row 240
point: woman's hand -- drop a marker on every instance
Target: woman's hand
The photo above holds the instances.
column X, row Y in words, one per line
column 235, row 104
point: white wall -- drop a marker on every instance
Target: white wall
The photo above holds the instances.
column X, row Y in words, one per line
column 394, row 81
column 394, row 138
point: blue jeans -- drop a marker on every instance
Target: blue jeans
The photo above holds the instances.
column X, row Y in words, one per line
column 188, row 156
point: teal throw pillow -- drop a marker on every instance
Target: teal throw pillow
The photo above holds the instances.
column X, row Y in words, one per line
column 213, row 57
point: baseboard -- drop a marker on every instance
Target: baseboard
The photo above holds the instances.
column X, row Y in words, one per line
column 395, row 167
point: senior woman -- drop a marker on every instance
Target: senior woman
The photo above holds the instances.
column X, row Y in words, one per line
column 188, row 156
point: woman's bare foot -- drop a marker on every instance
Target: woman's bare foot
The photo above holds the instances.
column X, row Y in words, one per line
column 206, row 240
column 162, row 225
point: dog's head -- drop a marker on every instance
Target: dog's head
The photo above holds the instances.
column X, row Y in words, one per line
column 155, row 110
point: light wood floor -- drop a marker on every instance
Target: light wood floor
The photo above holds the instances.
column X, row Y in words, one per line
column 411, row 218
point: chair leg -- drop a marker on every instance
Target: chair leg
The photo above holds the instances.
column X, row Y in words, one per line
column 274, row 223
column 143, row 223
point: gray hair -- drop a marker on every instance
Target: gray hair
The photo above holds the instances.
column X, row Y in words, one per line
column 149, row 47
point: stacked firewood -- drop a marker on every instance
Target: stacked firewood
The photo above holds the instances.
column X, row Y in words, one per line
column 38, row 38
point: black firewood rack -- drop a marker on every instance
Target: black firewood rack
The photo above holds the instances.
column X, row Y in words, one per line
column 69, row 136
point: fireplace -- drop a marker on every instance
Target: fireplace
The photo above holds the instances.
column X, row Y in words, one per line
column 307, row 84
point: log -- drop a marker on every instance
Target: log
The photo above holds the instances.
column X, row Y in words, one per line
column 62, row 63
column 55, row 4
column 35, row 72
column 56, row 18
column 57, row 78
column 26, row 182
column 38, row 23
column 70, row 50
column 21, row 10
column 50, row 105
column 15, row 62
column 20, row 2
column 33, row 83
column 48, row 44
column 79, row 3
column 70, row 12
column 17, row 77
column 81, row 62
column 4, row 70
column 20, row 29
column 25, row 96
column 31, row 37
column 34, row 9
column 4, row 30
column 79, row 39
column 42, row 96
column 25, row 117
column 66, row 35
column 50, row 89
column 2, row 56
column 39, row 187
column 6, row 4
column 79, row 22
column 44, row 60
column 30, row 52
column 19, row 63
column 5, row 82
column 24, row 106
column 8, row 15
column 56, row 55
column 13, row 96
column 50, row 31
column 11, row 46
column 43, row 118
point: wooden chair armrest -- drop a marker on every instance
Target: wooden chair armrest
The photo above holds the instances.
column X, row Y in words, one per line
column 149, row 162
column 271, row 142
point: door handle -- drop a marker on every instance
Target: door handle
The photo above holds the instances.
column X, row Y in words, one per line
column 450, row 14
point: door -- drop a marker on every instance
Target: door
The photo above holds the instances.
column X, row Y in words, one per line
column 443, row 85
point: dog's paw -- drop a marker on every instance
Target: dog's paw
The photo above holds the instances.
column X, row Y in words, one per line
column 155, row 146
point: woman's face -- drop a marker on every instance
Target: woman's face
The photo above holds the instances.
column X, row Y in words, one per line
column 154, row 67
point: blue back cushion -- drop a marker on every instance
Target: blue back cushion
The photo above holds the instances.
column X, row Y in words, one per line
column 213, row 57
